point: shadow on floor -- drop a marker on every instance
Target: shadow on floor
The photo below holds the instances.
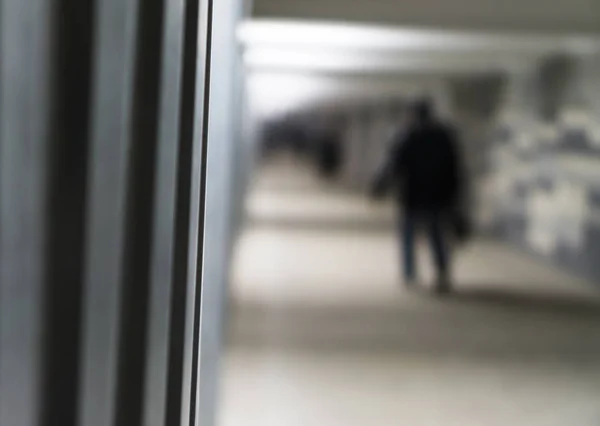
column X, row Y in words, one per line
column 553, row 304
column 484, row 323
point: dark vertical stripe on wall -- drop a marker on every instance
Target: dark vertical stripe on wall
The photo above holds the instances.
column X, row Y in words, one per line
column 140, row 214
column 66, row 215
column 111, row 145
column 163, row 227
column 181, row 274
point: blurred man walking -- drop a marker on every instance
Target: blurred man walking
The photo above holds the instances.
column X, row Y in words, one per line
column 424, row 170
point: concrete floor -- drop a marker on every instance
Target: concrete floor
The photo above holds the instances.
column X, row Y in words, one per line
column 322, row 333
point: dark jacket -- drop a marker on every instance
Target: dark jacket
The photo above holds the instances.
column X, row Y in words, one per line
column 424, row 168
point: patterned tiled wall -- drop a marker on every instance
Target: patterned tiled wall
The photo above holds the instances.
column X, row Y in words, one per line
column 543, row 185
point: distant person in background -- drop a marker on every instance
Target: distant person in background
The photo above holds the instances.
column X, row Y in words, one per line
column 329, row 155
column 424, row 169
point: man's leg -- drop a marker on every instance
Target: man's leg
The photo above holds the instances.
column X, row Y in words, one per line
column 408, row 246
column 440, row 251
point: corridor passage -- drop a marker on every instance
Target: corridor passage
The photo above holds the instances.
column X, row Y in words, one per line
column 322, row 333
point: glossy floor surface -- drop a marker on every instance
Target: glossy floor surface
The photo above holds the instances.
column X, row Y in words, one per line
column 322, row 332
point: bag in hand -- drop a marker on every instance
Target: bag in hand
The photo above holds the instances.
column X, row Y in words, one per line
column 461, row 225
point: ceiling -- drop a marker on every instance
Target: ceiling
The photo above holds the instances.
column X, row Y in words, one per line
column 489, row 15
column 284, row 45
column 294, row 64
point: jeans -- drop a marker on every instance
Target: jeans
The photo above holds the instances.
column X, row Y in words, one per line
column 433, row 222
